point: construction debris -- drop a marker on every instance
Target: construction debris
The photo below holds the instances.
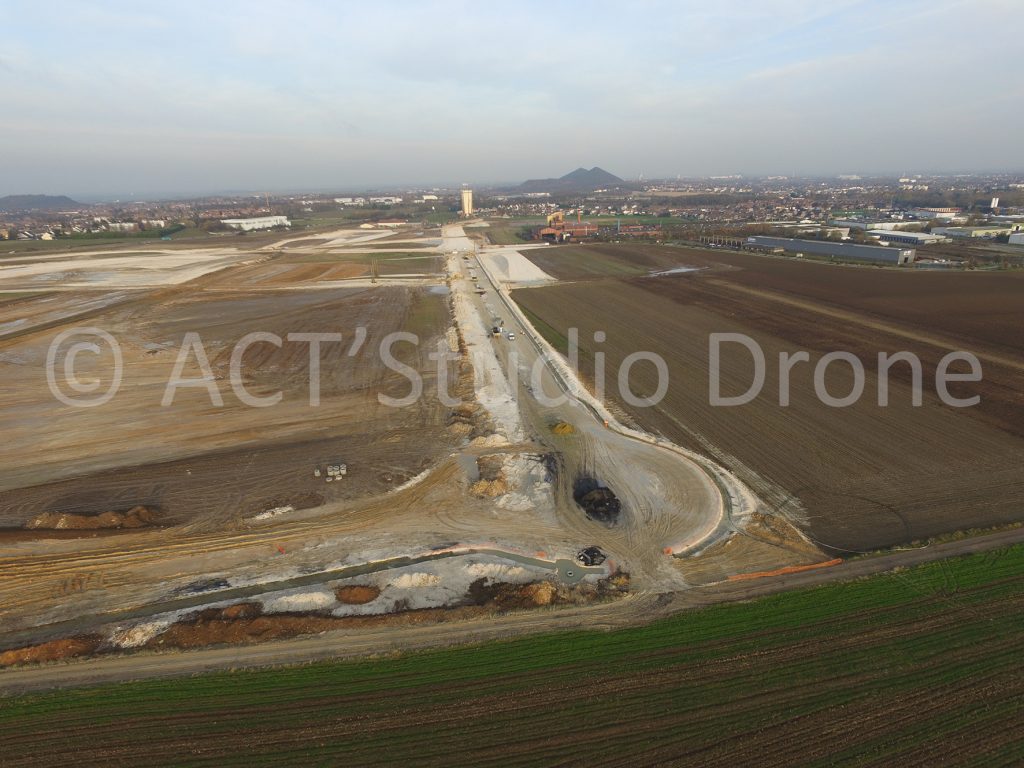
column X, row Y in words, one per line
column 331, row 472
column 506, row 596
column 492, row 482
column 598, row 502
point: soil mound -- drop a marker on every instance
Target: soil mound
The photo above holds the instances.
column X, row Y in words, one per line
column 241, row 611
column 136, row 517
column 469, row 420
column 488, row 489
column 492, row 482
column 55, row 650
column 357, row 594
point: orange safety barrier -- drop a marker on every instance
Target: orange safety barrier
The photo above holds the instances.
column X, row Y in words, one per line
column 784, row 571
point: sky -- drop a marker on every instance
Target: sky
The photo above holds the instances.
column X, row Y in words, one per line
column 141, row 99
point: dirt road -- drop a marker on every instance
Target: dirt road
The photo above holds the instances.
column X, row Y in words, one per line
column 634, row 609
column 671, row 502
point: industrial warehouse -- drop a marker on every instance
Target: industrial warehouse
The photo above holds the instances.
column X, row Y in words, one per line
column 852, row 251
column 888, row 236
column 259, row 222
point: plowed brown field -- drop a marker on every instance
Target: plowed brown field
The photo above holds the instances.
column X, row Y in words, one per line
column 860, row 477
column 216, row 465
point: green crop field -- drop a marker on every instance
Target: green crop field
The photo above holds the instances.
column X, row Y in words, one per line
column 611, row 220
column 440, row 217
column 919, row 667
column 574, row 262
column 505, row 234
column 63, row 244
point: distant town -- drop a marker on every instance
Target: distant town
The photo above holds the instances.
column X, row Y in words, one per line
column 963, row 221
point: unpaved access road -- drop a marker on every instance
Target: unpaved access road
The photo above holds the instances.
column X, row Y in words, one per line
column 671, row 503
column 634, row 609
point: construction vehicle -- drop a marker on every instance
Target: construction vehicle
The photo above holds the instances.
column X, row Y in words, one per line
column 591, row 556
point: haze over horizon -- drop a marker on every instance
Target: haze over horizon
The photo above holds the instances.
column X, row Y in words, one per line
column 137, row 99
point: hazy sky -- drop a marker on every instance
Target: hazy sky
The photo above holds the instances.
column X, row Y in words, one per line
column 139, row 98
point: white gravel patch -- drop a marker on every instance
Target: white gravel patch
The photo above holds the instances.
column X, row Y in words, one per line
column 140, row 634
column 271, row 513
column 497, row 571
column 526, row 474
column 315, row 600
column 412, row 481
column 168, row 267
column 436, row 584
column 510, row 266
column 416, row 580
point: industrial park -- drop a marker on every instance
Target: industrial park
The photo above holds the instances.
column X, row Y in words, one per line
column 354, row 414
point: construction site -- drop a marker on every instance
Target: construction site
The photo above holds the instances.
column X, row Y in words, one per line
column 356, row 414
column 141, row 528
column 137, row 526
column 591, row 546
